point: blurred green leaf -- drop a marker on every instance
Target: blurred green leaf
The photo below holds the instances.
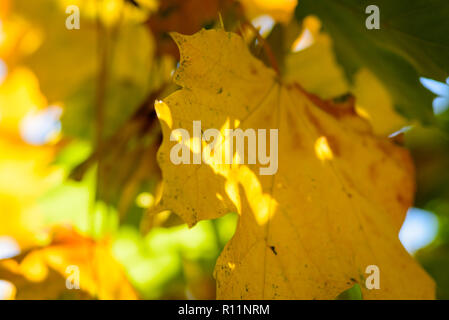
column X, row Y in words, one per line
column 353, row 293
column 73, row 203
column 412, row 41
column 156, row 262
column 435, row 260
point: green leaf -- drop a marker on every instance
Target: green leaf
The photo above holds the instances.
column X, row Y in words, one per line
column 353, row 293
column 412, row 42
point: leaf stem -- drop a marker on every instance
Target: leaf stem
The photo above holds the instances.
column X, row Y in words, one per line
column 271, row 57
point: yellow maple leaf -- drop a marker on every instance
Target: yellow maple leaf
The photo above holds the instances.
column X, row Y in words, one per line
column 335, row 205
column 376, row 104
column 49, row 268
column 19, row 95
column 313, row 64
column 315, row 67
column 25, row 171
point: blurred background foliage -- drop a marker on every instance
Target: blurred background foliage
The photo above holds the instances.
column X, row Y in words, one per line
column 79, row 136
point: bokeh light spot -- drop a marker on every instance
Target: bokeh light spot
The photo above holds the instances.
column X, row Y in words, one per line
column 419, row 229
column 8, row 247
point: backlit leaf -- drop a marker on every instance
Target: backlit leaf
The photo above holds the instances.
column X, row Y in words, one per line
column 100, row 274
column 335, row 205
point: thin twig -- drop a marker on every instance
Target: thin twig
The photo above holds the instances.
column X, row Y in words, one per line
column 271, row 57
